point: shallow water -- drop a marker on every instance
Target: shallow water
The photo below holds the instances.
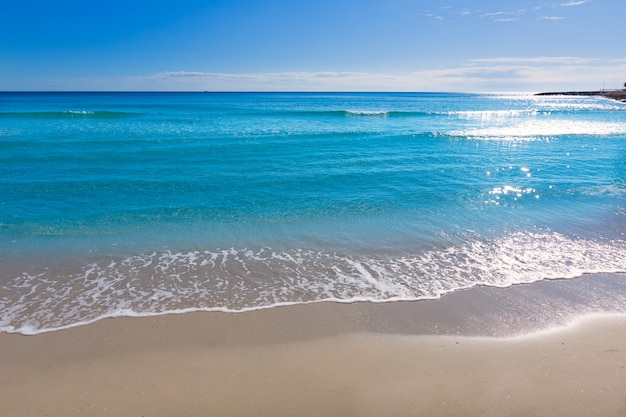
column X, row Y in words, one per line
column 143, row 203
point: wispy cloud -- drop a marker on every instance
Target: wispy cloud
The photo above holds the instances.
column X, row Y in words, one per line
column 574, row 3
column 277, row 81
column 504, row 15
column 551, row 18
column 484, row 74
column 559, row 60
column 431, row 15
column 507, row 19
column 497, row 14
column 531, row 74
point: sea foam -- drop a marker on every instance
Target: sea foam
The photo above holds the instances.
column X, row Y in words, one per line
column 244, row 279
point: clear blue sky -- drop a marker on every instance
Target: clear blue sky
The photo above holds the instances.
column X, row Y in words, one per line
column 345, row 45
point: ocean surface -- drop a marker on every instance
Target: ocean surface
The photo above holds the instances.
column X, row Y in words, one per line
column 126, row 204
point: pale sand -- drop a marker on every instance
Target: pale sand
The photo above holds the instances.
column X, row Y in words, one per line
column 316, row 360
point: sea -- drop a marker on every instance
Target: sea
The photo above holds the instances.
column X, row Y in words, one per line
column 137, row 204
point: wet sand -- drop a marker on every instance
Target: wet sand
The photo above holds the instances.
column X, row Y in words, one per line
column 397, row 359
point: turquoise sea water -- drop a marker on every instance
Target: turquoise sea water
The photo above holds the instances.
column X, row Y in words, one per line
column 147, row 203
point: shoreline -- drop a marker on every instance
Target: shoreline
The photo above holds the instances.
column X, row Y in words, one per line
column 480, row 310
column 617, row 95
column 548, row 351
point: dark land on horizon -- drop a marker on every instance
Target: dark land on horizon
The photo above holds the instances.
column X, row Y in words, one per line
column 619, row 95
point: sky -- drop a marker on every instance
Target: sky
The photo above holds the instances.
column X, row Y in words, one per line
column 321, row 45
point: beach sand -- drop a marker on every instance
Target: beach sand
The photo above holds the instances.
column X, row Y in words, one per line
column 396, row 359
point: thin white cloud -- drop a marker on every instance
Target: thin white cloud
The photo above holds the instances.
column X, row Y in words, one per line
column 279, row 81
column 432, row 15
column 531, row 74
column 486, row 74
column 180, row 74
column 491, row 74
column 574, row 3
column 505, row 15
column 561, row 60
column 551, row 18
column 493, row 14
column 507, row 19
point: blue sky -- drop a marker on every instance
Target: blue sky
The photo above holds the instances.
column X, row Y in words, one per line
column 322, row 45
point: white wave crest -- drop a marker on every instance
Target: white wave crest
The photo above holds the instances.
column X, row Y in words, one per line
column 245, row 279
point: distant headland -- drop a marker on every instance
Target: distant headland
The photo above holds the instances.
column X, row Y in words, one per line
column 619, row 95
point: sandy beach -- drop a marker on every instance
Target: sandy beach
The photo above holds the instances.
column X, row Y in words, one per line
column 327, row 359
